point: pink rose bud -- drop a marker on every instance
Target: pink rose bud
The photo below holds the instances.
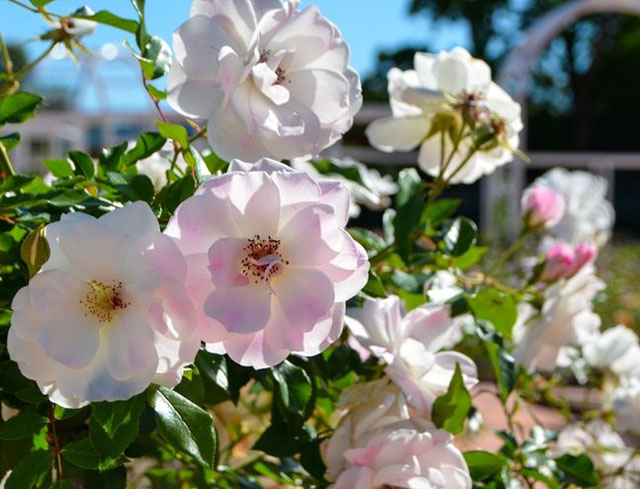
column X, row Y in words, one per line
column 542, row 207
column 559, row 263
column 585, row 254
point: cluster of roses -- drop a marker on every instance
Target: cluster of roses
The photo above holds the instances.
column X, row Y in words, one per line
column 576, row 219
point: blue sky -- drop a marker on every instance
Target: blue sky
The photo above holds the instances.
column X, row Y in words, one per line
column 368, row 26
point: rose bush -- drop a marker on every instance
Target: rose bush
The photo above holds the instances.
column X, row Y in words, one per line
column 173, row 309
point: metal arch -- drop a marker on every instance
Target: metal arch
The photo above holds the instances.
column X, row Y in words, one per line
column 515, row 73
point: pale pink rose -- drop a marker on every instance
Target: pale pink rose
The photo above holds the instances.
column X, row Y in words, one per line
column 108, row 313
column 565, row 261
column 559, row 263
column 370, row 409
column 270, row 80
column 380, row 325
column 586, row 254
column 411, row 347
column 405, row 458
column 542, row 207
column 270, row 263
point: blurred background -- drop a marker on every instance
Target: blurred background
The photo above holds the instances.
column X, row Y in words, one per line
column 574, row 65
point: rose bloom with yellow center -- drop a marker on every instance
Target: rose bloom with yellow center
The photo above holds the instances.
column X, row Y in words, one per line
column 108, row 313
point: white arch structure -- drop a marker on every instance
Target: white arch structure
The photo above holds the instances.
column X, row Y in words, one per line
column 515, row 76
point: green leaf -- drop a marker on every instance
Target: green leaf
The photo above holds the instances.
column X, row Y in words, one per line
column 311, row 459
column 156, row 92
column 578, row 470
column 549, row 482
column 10, row 141
column 409, row 203
column 188, row 427
column 460, row 236
column 411, row 283
column 138, row 5
column 82, row 454
column 192, row 386
column 18, row 107
column 107, row 18
column 22, row 425
column 504, row 366
column 213, row 370
column 471, row 257
column 40, row 3
column 483, row 465
column 111, row 415
column 111, row 479
column 294, row 387
column 368, row 239
column 496, row 307
column 283, row 440
column 134, row 187
column 175, row 132
column 104, row 450
column 374, row 286
column 15, row 182
column 156, row 58
column 59, row 168
column 450, row 409
column 110, row 158
column 83, row 163
column 35, row 250
column 31, row 471
column 146, row 144
column 439, row 211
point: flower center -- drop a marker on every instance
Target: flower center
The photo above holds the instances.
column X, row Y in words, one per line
column 265, row 54
column 104, row 300
column 262, row 260
column 474, row 105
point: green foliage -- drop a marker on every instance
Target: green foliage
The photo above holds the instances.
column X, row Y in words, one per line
column 483, row 465
column 460, row 236
column 451, row 408
column 496, row 307
column 578, row 470
column 188, row 427
column 18, row 107
column 409, row 204
column 112, row 428
column 23, row 425
column 31, row 471
column 294, row 387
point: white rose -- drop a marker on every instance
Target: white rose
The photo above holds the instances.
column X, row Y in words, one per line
column 627, row 406
column 270, row 80
column 442, row 84
column 567, row 318
column 618, row 468
column 616, row 349
column 588, row 215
